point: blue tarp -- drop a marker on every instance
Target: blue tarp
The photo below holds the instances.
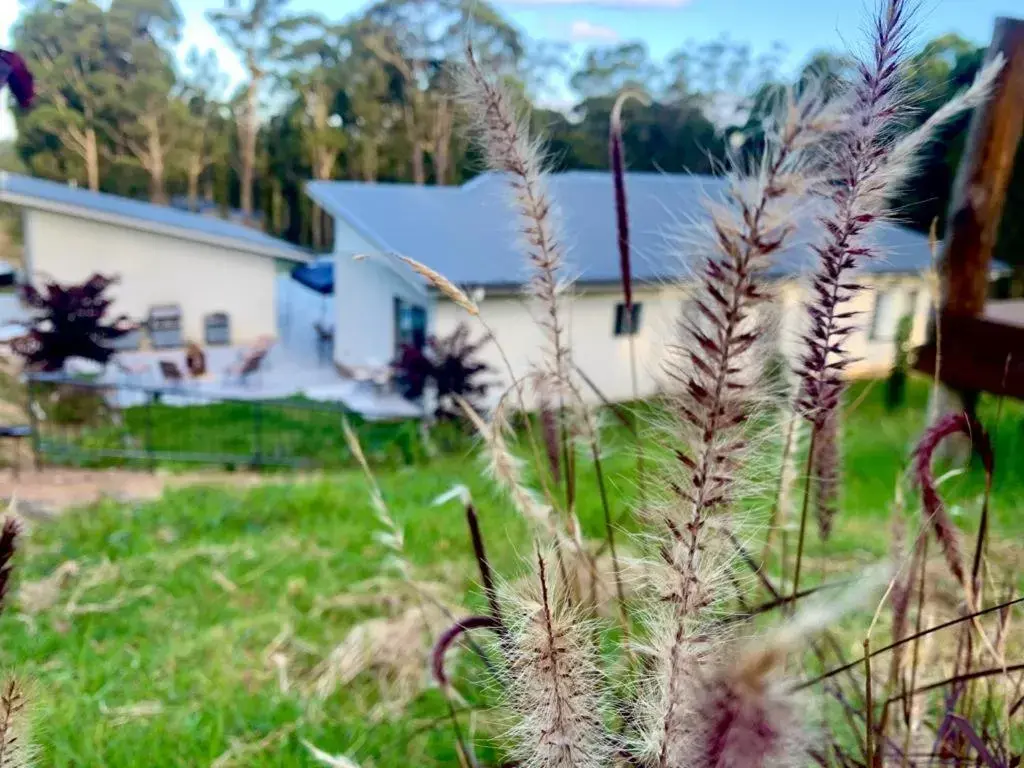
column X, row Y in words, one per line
column 318, row 276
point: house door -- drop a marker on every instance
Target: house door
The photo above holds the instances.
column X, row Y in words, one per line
column 410, row 325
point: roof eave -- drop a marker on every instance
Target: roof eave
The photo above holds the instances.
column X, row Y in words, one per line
column 81, row 212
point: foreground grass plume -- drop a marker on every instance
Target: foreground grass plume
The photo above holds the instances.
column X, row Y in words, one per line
column 553, row 682
column 15, row 747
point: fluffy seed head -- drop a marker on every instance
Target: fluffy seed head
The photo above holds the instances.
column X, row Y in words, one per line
column 443, row 284
column 16, row 749
column 866, row 168
column 553, row 682
column 505, row 466
column 502, row 132
column 827, row 469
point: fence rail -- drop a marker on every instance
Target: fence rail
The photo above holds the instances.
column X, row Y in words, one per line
column 94, row 423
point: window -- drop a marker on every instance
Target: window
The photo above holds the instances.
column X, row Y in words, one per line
column 217, row 329
column 410, row 325
column 165, row 326
column 626, row 325
column 890, row 306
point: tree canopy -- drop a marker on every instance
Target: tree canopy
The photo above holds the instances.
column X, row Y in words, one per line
column 370, row 98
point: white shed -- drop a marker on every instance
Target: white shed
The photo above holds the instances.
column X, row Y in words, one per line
column 218, row 278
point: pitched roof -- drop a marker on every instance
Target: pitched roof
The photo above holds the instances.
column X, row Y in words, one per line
column 97, row 206
column 468, row 234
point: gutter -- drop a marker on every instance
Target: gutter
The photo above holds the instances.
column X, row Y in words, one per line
column 169, row 230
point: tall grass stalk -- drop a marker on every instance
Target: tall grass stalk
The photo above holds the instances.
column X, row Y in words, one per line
column 866, row 168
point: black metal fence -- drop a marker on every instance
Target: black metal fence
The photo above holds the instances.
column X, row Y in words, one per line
column 96, row 424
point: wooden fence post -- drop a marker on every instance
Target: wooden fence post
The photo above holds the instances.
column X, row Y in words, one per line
column 979, row 192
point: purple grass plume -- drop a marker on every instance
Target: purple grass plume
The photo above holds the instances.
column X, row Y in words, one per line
column 858, row 162
column 934, row 510
column 616, row 157
column 452, row 634
column 747, row 718
column 867, row 167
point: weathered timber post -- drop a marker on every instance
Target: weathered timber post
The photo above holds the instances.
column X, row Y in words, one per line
column 979, row 192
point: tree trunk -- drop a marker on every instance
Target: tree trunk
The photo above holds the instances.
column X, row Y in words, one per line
column 248, row 130
column 155, row 150
column 443, row 123
column 92, row 160
column 316, row 227
column 417, row 166
column 195, row 170
column 370, row 160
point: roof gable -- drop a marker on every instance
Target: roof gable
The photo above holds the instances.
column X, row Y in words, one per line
column 98, row 206
column 469, row 235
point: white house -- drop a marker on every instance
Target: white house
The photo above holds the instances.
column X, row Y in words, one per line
column 197, row 278
column 468, row 234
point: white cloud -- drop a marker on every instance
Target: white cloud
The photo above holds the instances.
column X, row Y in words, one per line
column 583, row 31
column 627, row 4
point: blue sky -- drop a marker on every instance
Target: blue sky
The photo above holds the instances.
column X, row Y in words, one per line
column 665, row 25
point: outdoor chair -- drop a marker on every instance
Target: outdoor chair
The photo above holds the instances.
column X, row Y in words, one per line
column 171, row 372
column 253, row 361
column 324, row 342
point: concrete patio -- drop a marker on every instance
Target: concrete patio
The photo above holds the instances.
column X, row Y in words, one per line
column 282, row 374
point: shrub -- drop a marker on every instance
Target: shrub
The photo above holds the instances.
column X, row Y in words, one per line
column 69, row 323
column 449, row 365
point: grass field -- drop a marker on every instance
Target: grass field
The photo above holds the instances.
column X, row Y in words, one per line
column 166, row 647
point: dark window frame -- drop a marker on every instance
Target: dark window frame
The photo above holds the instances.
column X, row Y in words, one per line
column 416, row 333
column 631, row 327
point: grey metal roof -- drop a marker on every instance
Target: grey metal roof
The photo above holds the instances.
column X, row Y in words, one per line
column 468, row 234
column 98, row 206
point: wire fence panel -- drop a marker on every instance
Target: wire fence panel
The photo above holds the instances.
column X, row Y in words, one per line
column 88, row 423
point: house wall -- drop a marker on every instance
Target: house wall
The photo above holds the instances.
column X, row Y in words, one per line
column 365, row 289
column 157, row 269
column 348, row 242
column 604, row 357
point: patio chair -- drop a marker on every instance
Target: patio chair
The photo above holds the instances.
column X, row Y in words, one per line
column 252, row 361
column 324, row 342
column 171, row 372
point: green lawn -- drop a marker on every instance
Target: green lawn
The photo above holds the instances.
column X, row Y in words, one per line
column 167, row 658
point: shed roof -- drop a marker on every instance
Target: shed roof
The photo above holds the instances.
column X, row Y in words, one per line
column 468, row 234
column 54, row 197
